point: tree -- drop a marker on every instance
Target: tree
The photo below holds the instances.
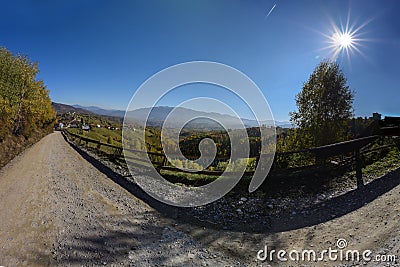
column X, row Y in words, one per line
column 4, row 119
column 25, row 105
column 324, row 107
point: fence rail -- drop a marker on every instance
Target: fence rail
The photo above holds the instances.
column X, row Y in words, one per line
column 355, row 147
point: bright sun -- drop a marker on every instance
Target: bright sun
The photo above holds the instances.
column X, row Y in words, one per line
column 344, row 39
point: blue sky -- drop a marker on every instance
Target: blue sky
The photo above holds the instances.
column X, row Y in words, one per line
column 100, row 52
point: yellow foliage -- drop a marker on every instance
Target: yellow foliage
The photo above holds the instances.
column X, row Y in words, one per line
column 25, row 104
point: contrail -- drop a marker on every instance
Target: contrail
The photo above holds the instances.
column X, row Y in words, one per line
column 269, row 13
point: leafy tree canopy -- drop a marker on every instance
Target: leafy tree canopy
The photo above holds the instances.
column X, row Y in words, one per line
column 324, row 107
column 25, row 105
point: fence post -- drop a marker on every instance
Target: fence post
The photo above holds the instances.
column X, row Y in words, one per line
column 257, row 160
column 162, row 164
column 117, row 152
column 360, row 182
column 165, row 161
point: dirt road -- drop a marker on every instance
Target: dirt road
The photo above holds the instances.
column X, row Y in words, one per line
column 58, row 209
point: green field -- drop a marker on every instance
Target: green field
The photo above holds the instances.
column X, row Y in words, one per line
column 100, row 134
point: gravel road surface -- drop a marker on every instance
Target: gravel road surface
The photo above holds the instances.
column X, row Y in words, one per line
column 57, row 209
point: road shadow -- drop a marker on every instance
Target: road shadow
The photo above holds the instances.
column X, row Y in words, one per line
column 265, row 223
column 124, row 243
column 337, row 206
column 125, row 183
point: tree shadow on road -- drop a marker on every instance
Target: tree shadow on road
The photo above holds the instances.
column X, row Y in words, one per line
column 338, row 206
column 123, row 242
column 284, row 221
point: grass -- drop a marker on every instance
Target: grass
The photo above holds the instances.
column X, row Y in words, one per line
column 370, row 172
column 380, row 163
column 100, row 134
column 13, row 145
column 188, row 178
column 290, row 185
column 193, row 179
column 390, row 162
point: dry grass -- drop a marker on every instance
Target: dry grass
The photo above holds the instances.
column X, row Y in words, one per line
column 11, row 146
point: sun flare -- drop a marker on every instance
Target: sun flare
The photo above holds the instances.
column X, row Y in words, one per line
column 344, row 40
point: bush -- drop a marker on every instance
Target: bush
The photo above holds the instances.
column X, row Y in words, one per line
column 237, row 165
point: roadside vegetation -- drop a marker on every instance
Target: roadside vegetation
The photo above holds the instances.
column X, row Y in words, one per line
column 26, row 113
column 113, row 137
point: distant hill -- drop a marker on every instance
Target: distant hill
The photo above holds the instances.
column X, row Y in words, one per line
column 160, row 113
column 101, row 111
column 63, row 108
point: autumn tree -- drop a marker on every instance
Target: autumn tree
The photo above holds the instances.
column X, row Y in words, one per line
column 324, row 107
column 25, row 105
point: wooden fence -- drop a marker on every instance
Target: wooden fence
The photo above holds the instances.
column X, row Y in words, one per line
column 350, row 151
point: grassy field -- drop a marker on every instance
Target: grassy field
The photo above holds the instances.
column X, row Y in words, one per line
column 100, row 134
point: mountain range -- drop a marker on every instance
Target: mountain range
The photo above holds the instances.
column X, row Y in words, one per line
column 64, row 108
column 102, row 111
column 159, row 114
